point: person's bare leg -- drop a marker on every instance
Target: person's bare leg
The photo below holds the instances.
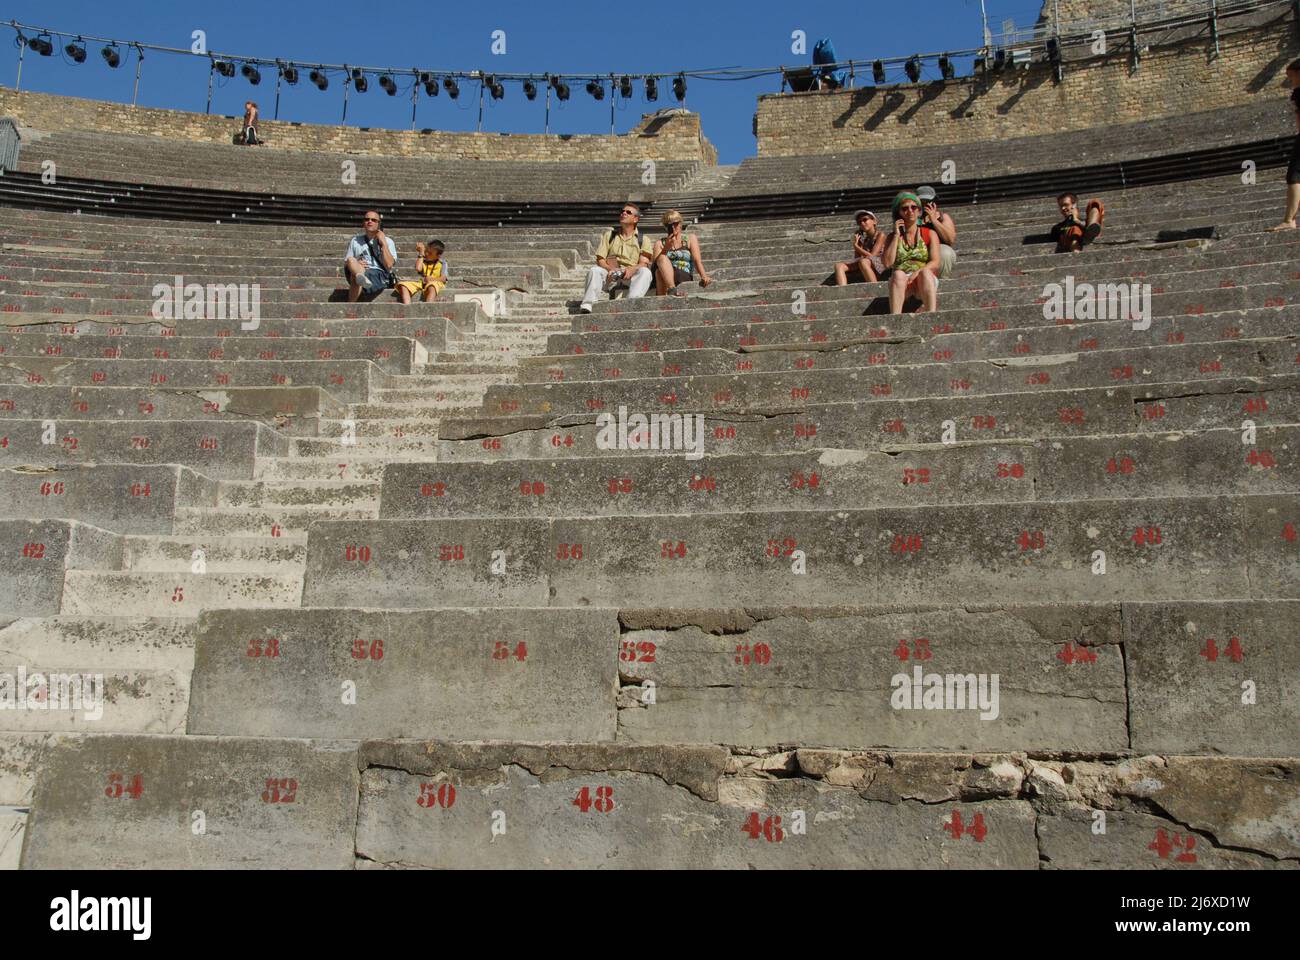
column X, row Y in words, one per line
column 841, row 274
column 663, row 275
column 868, row 272
column 403, row 294
column 1292, row 208
column 354, row 269
column 928, row 290
column 429, row 294
column 897, row 291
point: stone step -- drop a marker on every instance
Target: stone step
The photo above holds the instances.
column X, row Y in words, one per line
column 326, row 493
column 215, row 554
column 274, row 521
column 1150, row 549
column 308, row 822
column 177, row 594
column 414, row 447
column 335, row 468
column 561, row 686
column 117, row 642
column 1133, row 465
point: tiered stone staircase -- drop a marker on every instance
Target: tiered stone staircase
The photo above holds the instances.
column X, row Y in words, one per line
column 477, row 637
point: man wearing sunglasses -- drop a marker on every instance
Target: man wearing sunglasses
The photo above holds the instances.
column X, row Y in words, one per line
column 371, row 257
column 622, row 259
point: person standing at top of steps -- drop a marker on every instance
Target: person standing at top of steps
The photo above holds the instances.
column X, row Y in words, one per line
column 371, row 257
column 1074, row 233
column 622, row 259
column 250, row 124
column 1293, row 171
column 942, row 224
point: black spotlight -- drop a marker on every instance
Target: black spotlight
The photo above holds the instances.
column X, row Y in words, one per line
column 319, row 79
column 497, row 90
column 946, row 68
column 251, row 74
column 1053, row 50
column 387, row 84
column 290, row 75
column 878, row 71
column 77, row 53
column 596, row 89
column 679, row 87
column 451, row 86
column 1000, row 60
column 41, row 44
column 223, row 67
column 913, row 68
column 980, row 65
column 625, row 88
column 562, row 90
column 359, row 82
column 110, row 56
column 530, row 90
column 651, row 89
column 430, row 83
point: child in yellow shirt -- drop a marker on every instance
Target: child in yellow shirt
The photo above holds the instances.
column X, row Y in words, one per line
column 433, row 273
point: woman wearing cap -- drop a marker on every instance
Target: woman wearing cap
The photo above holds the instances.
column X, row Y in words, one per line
column 913, row 251
column 677, row 258
column 868, row 244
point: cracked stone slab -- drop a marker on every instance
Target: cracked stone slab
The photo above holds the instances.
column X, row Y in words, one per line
column 637, row 819
column 837, row 682
column 36, row 554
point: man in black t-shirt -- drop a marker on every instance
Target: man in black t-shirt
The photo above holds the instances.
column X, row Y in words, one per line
column 1293, row 171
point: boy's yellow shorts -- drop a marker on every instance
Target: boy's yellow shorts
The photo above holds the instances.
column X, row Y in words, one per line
column 414, row 287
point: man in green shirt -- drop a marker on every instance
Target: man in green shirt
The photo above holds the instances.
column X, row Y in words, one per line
column 622, row 259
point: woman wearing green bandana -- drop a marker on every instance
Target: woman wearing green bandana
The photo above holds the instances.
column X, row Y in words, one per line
column 913, row 251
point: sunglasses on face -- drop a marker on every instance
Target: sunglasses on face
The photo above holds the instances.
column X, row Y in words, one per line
column 628, row 213
column 908, row 206
column 370, row 220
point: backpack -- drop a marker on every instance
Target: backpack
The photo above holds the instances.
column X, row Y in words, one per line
column 824, row 53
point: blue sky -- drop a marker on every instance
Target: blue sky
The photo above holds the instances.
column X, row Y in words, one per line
column 539, row 37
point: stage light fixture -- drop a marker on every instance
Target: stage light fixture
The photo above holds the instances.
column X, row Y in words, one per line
column 530, row 90
column 430, row 83
column 77, row 53
column 41, row 44
column 945, row 68
column 596, row 89
column 290, row 74
column 251, row 74
column 497, row 90
column 224, row 67
column 625, row 88
column 1000, row 60
column 319, row 79
column 1053, row 50
column 561, row 90
column 651, row 89
column 913, row 68
column 451, row 86
column 359, row 82
column 387, row 85
column 110, row 55
column 679, row 87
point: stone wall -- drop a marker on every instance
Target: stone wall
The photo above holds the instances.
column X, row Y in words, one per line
column 1100, row 91
column 667, row 135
